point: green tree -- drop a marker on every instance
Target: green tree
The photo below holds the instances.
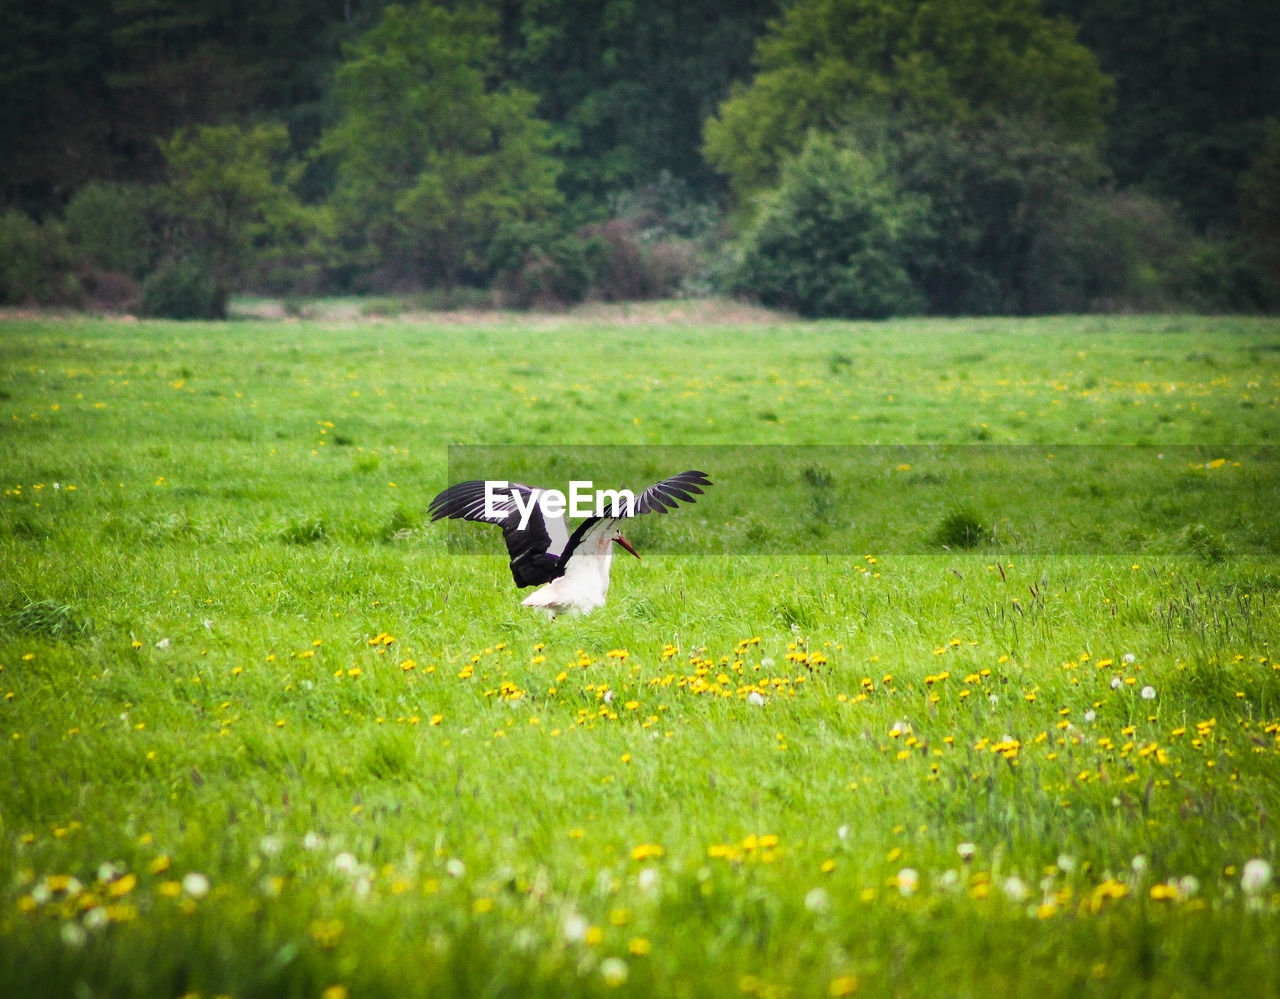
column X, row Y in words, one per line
column 628, row 85
column 230, row 197
column 442, row 174
column 1194, row 86
column 835, row 238
column 830, row 63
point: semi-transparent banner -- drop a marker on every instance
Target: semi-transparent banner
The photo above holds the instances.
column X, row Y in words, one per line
column 1210, row 501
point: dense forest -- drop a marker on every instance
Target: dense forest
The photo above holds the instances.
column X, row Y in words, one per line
column 832, row 157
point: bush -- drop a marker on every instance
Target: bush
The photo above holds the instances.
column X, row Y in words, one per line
column 1110, row 251
column 114, row 227
column 835, row 238
column 184, row 289
column 33, row 262
column 555, row 275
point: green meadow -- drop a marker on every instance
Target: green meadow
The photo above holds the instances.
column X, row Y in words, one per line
column 962, row 680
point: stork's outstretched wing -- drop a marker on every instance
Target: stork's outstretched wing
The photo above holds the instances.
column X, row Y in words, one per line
column 658, row 498
column 535, row 551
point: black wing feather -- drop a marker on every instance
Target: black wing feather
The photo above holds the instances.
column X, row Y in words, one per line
column 531, row 563
column 658, row 498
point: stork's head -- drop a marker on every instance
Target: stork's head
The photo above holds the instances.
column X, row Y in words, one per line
column 616, row 535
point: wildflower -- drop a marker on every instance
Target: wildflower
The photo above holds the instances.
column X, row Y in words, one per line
column 574, row 927
column 908, row 881
column 1090, row 715
column 966, row 851
column 1255, row 877
column 1015, row 889
column 196, row 885
column 1116, row 683
column 455, row 868
column 645, row 851
column 1139, row 865
column 817, row 900
column 614, row 971
column 1128, row 657
column 1148, row 693
column 638, row 946
column 843, row 985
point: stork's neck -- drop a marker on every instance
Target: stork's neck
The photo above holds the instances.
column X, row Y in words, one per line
column 589, row 565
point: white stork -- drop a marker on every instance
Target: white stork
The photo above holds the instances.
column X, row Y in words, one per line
column 573, row 568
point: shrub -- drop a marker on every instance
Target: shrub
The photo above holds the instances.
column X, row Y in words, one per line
column 113, row 227
column 33, row 262
column 835, row 238
column 184, row 289
column 555, row 275
column 1110, row 251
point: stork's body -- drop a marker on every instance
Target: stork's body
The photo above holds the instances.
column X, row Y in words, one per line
column 574, row 569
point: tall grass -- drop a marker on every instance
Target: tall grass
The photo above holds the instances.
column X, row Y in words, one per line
column 269, row 735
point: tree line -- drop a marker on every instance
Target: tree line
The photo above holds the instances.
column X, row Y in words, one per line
column 833, row 157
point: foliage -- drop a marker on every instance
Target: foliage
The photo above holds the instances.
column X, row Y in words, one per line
column 114, row 227
column 436, row 168
column 33, row 262
column 1194, row 84
column 229, row 194
column 1260, row 212
column 1111, row 251
column 628, row 85
column 836, row 238
column 186, row 288
column 829, row 64
column 995, row 187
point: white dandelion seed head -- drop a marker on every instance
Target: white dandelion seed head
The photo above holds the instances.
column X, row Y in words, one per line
column 96, row 918
column 647, row 879
column 949, row 880
column 1015, row 889
column 900, row 727
column 767, row 662
column 107, row 871
column 1128, row 657
column 455, row 868
column 843, row 832
column 361, row 887
column 41, row 893
column 993, row 700
column 1139, row 864
column 345, row 863
column 1116, row 683
column 1090, row 715
column 966, row 851
column 1066, row 863
column 164, row 643
column 574, row 927
column 73, row 935
column 908, row 881
column 195, row 884
column 270, row 845
column 817, row 900
column 614, row 971
column 1148, row 693
column 1188, row 885
column 1255, row 876
column 755, row 697
column 311, row 841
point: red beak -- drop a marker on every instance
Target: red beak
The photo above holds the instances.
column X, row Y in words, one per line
column 627, row 545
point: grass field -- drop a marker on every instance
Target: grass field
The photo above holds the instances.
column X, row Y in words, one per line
column 963, row 680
